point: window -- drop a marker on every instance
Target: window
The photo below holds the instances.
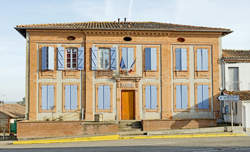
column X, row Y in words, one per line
column 151, row 97
column 203, row 97
column 74, row 58
column 47, row 58
column 181, row 97
column 127, row 59
column 70, row 97
column 103, row 97
column 202, row 59
column 71, row 60
column 150, row 59
column 233, row 74
column 103, row 58
column 47, row 94
column 180, row 59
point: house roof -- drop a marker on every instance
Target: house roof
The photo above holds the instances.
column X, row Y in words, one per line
column 129, row 26
column 13, row 110
column 244, row 95
column 236, row 55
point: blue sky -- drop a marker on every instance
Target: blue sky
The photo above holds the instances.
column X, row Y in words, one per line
column 233, row 14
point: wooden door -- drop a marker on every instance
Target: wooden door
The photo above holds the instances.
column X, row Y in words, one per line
column 128, row 105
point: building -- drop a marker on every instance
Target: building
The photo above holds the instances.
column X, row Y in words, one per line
column 122, row 71
column 8, row 114
column 235, row 73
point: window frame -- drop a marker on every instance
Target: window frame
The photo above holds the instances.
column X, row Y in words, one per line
column 120, row 57
column 71, row 58
column 98, row 59
column 144, row 97
column 40, row 110
column 204, row 73
column 188, row 94
column 231, row 88
column 78, row 97
column 209, row 94
column 180, row 73
column 111, row 98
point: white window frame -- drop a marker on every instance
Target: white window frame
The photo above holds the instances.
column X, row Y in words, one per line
column 71, row 49
column 100, row 59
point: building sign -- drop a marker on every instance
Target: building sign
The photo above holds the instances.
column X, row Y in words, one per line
column 229, row 98
column 127, row 85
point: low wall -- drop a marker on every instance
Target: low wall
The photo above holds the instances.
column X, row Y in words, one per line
column 48, row 129
column 154, row 125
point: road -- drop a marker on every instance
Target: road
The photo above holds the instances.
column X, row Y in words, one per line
column 227, row 144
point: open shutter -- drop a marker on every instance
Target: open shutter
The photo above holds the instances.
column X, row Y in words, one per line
column 147, row 96
column 106, row 95
column 199, row 60
column 178, row 97
column 51, row 58
column 60, row 58
column 80, row 58
column 184, row 98
column 44, row 97
column 94, row 58
column 183, row 59
column 177, row 59
column 205, row 59
column 205, row 97
column 113, row 58
column 100, row 97
column 44, row 58
column 130, row 58
column 199, row 96
column 147, row 59
column 73, row 98
column 51, row 97
column 153, row 59
column 67, row 97
column 153, row 97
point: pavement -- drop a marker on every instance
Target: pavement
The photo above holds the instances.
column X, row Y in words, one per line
column 203, row 144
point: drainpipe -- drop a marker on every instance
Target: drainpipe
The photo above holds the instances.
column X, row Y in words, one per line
column 27, row 77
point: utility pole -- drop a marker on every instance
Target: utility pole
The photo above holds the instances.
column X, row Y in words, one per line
column 232, row 116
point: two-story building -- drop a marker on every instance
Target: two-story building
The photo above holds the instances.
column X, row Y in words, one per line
column 122, row 71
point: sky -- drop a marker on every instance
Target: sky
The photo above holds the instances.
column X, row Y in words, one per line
column 233, row 14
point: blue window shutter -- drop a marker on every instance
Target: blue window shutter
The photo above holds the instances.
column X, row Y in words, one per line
column 51, row 97
column 45, row 58
column 113, row 58
column 125, row 57
column 205, row 59
column 199, row 60
column 199, row 96
column 147, row 59
column 130, row 57
column 51, row 58
column 184, row 97
column 183, row 59
column 80, row 58
column 60, row 58
column 106, row 95
column 153, row 59
column 147, row 96
column 94, row 58
column 153, row 97
column 73, row 97
column 100, row 97
column 205, row 97
column 178, row 97
column 177, row 59
column 44, row 97
column 67, row 97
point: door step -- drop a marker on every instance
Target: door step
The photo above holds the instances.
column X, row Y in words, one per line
column 130, row 125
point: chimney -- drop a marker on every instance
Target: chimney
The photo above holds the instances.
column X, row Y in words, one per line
column 118, row 20
column 125, row 19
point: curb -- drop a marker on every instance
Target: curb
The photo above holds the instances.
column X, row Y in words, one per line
column 118, row 137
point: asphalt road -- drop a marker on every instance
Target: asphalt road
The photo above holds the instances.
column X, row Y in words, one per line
column 227, row 144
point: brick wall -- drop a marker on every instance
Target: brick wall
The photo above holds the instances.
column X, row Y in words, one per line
column 153, row 125
column 45, row 129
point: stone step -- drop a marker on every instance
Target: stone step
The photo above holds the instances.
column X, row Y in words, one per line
column 132, row 133
column 130, row 130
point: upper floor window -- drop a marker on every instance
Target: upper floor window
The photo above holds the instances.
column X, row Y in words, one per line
column 47, row 58
column 127, row 58
column 202, row 59
column 150, row 59
column 181, row 59
column 71, row 60
column 233, row 74
column 103, row 58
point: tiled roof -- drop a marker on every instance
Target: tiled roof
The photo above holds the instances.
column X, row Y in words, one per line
column 13, row 110
column 236, row 55
column 153, row 26
column 244, row 95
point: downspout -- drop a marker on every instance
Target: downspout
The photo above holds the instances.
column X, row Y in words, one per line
column 27, row 77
